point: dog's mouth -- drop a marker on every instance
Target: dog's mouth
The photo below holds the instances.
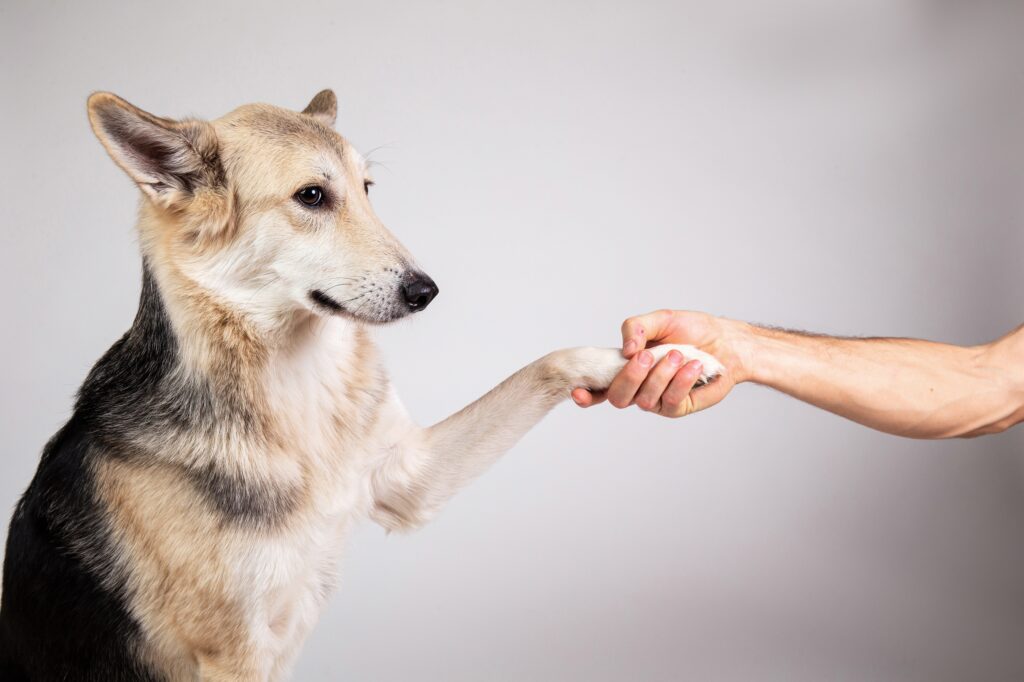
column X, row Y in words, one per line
column 325, row 301
column 362, row 313
column 378, row 303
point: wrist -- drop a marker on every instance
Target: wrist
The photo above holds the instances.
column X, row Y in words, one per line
column 1002, row 359
column 740, row 343
column 760, row 352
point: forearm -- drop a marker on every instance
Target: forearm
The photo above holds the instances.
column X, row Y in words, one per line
column 906, row 387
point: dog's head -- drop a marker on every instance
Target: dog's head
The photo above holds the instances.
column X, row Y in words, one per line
column 265, row 209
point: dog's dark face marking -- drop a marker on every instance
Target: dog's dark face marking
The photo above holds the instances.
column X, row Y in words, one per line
column 320, row 298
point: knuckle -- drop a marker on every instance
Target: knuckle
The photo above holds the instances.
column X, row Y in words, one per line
column 666, row 370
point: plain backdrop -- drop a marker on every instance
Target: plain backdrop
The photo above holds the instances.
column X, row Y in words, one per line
column 851, row 167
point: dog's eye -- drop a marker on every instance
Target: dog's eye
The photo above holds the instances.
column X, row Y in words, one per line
column 310, row 196
column 367, row 184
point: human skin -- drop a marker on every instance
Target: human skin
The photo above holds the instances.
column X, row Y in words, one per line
column 906, row 387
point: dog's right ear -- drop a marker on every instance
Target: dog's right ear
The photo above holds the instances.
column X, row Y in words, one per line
column 169, row 160
column 323, row 107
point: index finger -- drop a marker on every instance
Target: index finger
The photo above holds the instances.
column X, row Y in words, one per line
column 639, row 329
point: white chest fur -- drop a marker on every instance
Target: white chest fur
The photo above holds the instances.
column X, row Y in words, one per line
column 325, row 397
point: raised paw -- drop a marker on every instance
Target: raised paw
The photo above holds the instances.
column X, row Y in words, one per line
column 594, row 368
column 710, row 366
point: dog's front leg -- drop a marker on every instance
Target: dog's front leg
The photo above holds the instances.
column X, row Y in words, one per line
column 424, row 467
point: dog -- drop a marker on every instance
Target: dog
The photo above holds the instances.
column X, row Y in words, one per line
column 187, row 521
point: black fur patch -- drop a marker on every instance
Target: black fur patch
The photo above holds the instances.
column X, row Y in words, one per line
column 135, row 393
column 63, row 615
column 240, row 500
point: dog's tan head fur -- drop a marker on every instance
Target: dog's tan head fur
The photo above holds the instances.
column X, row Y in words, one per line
column 263, row 213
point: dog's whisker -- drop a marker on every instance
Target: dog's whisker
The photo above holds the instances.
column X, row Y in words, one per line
column 335, row 286
column 376, row 149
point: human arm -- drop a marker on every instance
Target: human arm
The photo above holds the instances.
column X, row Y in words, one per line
column 907, row 387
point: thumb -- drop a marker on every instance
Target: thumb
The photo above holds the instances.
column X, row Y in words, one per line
column 637, row 331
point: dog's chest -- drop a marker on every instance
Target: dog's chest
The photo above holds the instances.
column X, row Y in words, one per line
column 325, row 404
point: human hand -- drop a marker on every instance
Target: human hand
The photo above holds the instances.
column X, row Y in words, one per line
column 668, row 386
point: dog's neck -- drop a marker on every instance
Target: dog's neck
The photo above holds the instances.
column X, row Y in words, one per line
column 233, row 349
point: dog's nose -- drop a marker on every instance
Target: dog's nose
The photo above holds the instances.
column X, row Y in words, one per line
column 418, row 291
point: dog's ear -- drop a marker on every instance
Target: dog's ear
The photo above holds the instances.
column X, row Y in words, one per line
column 323, row 107
column 171, row 161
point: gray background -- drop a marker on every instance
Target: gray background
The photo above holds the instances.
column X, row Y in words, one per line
column 852, row 167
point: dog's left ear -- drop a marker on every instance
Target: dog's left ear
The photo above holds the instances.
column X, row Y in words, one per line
column 176, row 164
column 169, row 160
column 323, row 107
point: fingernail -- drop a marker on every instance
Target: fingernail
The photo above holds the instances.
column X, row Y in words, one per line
column 630, row 347
column 674, row 358
column 698, row 368
column 646, row 359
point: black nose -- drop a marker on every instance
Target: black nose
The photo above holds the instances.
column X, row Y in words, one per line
column 418, row 290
